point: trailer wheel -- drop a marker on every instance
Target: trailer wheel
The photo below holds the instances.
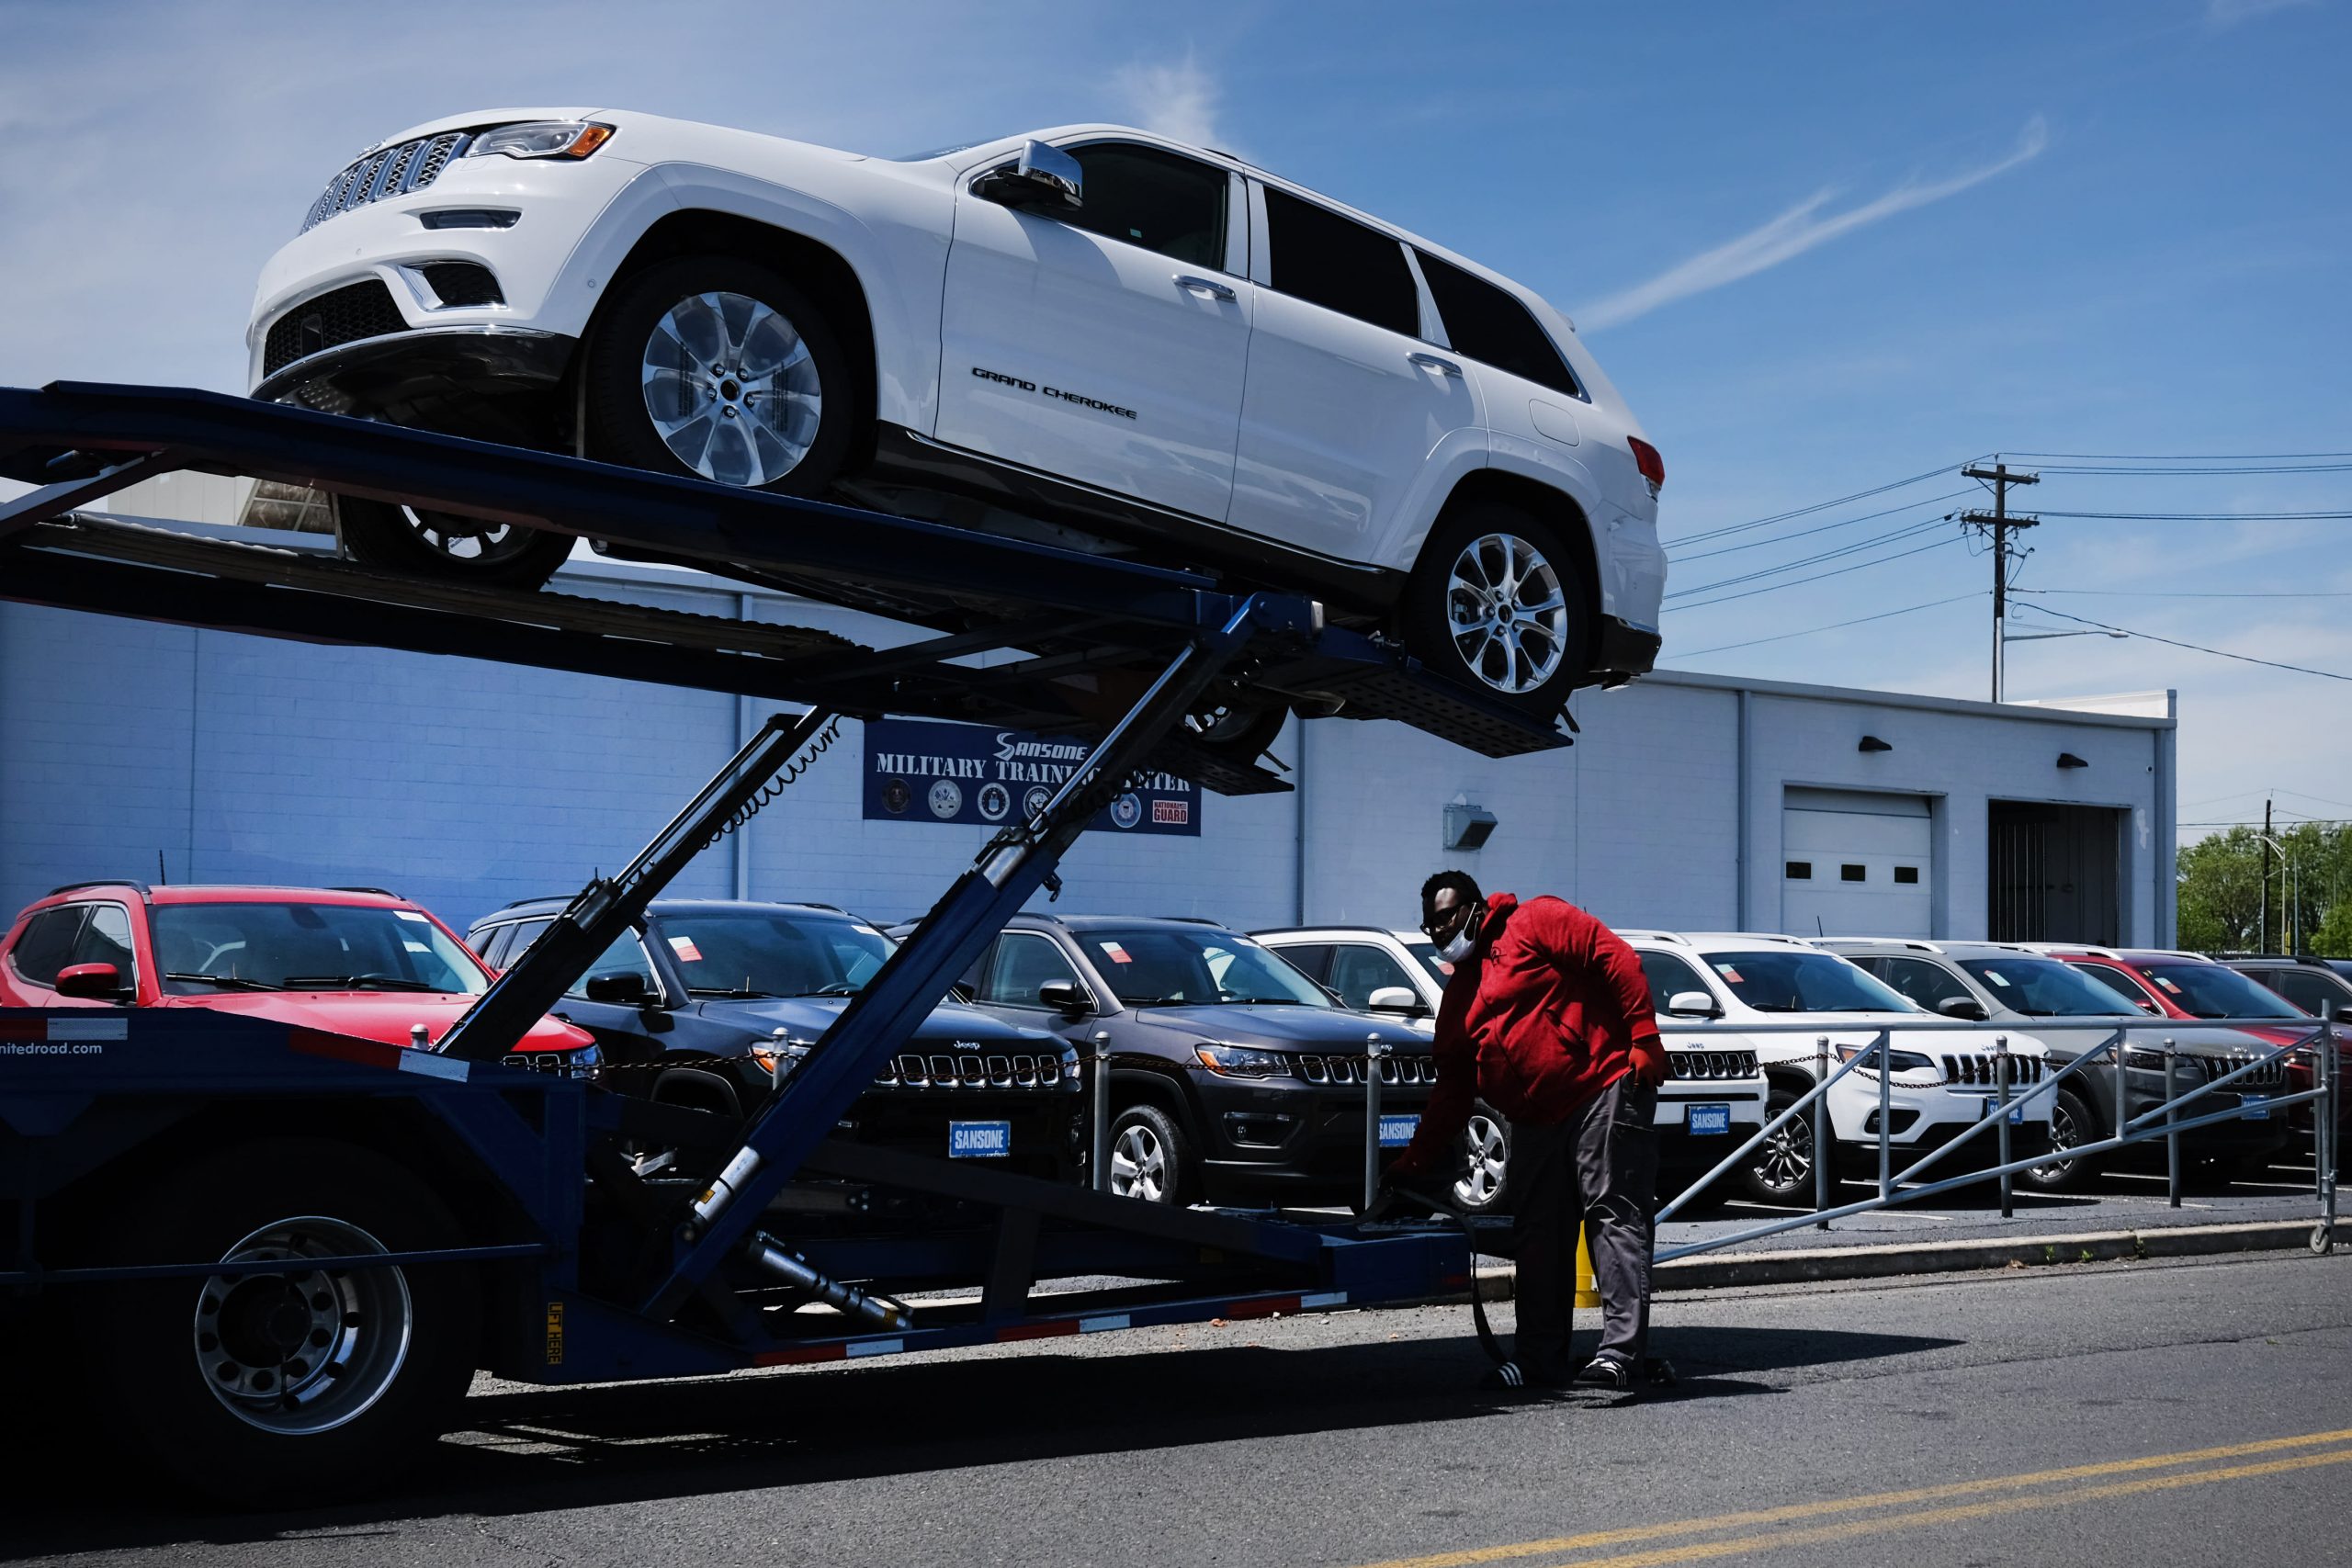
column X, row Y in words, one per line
column 1781, row 1171
column 447, row 545
column 1150, row 1159
column 1499, row 604
column 717, row 367
column 290, row 1387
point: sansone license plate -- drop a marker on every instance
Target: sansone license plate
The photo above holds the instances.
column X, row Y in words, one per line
column 979, row 1140
column 1702, row 1120
column 2016, row 1110
column 2256, row 1106
column 1396, row 1131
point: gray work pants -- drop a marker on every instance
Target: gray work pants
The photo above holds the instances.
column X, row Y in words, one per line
column 1598, row 1171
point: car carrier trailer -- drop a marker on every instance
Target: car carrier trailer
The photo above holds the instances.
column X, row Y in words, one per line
column 271, row 1257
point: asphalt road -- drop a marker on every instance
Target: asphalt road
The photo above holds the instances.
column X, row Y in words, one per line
column 2142, row 1414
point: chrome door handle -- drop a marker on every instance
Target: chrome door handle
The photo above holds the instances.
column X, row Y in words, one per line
column 1202, row 285
column 1431, row 362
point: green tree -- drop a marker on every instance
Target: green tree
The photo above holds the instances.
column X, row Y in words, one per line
column 2223, row 889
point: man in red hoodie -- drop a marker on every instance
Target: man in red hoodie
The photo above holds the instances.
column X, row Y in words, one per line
column 1547, row 1017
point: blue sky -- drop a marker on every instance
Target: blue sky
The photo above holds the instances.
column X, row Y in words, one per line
column 1820, row 247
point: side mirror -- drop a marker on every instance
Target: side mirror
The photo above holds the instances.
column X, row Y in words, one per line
column 620, row 990
column 1695, row 1003
column 1065, row 996
column 1394, row 999
column 2344, row 1013
column 97, row 981
column 1962, row 1007
column 1043, row 175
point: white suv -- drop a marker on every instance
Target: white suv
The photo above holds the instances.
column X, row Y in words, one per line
column 1090, row 335
column 1712, row 1100
column 1943, row 1080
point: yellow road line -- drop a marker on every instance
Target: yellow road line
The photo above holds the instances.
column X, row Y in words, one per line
column 1852, row 1505
column 1851, row 1528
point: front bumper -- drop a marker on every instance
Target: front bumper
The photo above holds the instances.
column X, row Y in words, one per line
column 1301, row 1140
column 422, row 369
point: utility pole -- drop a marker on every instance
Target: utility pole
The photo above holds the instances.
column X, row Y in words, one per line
column 2264, row 925
column 1999, row 523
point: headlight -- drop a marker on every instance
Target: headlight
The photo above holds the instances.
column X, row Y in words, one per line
column 542, row 139
column 778, row 1055
column 1903, row 1061
column 2148, row 1061
column 1240, row 1062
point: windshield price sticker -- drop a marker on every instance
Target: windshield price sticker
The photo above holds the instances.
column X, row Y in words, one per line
column 2256, row 1106
column 1708, row 1119
column 979, row 1140
column 683, row 946
column 1396, row 1131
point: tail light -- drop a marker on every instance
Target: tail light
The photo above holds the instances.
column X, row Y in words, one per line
column 1646, row 457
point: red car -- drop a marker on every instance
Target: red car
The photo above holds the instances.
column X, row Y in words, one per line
column 2189, row 985
column 349, row 961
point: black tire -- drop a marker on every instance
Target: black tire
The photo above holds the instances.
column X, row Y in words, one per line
column 743, row 449
column 1238, row 733
column 2071, row 1124
column 155, row 1349
column 1781, row 1171
column 1483, row 1186
column 1151, row 1159
column 444, row 545
column 1487, row 666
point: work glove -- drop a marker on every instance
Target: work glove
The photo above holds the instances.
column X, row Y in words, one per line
column 1649, row 1061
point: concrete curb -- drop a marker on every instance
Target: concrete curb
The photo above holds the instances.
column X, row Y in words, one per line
column 1877, row 1262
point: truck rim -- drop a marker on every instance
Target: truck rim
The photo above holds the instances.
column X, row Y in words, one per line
column 1139, row 1164
column 731, row 388
column 304, row 1350
column 1506, row 612
column 1484, row 1179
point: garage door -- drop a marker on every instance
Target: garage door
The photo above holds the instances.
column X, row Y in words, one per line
column 1855, row 863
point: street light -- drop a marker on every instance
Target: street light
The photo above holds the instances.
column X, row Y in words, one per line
column 2294, row 865
column 2000, row 673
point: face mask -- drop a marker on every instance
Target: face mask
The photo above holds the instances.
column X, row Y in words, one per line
column 1465, row 941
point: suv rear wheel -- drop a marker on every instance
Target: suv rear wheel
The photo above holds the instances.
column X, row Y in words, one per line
column 1498, row 602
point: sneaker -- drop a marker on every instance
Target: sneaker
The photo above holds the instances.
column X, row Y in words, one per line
column 1511, row 1376
column 1608, row 1372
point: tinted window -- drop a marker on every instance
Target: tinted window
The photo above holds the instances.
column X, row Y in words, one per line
column 1490, row 325
column 1669, row 977
column 526, row 933
column 2310, row 989
column 2209, row 990
column 1920, row 981
column 1424, row 952
column 2047, row 989
column 1803, row 982
column 1149, row 967
column 1151, row 198
column 1339, row 265
column 2126, row 986
column 625, row 956
column 106, row 939
column 204, row 948
column 40, row 952
column 1312, row 959
column 1358, row 969
column 1025, row 964
column 772, row 952
column 492, row 943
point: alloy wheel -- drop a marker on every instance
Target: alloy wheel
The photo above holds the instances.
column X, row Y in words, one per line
column 1139, row 1164
column 301, row 1349
column 476, row 541
column 1784, row 1162
column 1483, row 1180
column 2063, row 1136
column 731, row 388
column 1506, row 612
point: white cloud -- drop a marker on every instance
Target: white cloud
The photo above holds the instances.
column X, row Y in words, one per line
column 2220, row 13
column 1178, row 100
column 1795, row 231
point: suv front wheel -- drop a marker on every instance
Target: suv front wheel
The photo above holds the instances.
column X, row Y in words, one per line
column 1498, row 602
column 1150, row 1157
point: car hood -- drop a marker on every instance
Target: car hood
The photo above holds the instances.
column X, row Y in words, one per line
column 1843, row 1029
column 806, row 1018
column 2070, row 1037
column 1284, row 1025
column 479, row 117
column 387, row 1016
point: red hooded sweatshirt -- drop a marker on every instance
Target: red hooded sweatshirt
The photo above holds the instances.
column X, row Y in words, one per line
column 1549, row 1011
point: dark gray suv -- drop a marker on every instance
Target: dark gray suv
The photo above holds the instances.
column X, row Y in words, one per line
column 2070, row 1013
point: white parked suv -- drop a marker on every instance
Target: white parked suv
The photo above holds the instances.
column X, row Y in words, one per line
column 1088, row 334
column 1943, row 1080
column 1712, row 1100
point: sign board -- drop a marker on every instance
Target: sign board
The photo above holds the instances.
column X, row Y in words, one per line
column 979, row 1140
column 918, row 770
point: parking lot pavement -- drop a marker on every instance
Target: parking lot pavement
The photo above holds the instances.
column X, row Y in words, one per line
column 2196, row 1412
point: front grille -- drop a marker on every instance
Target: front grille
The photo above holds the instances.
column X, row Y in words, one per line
column 971, row 1070
column 2269, row 1077
column 340, row 316
column 1711, row 1063
column 391, row 171
column 1978, row 1068
column 580, row 1064
column 1350, row 1069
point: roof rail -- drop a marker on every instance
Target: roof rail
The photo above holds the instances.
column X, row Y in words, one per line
column 1631, row 933
column 1192, row 920
column 140, row 887
column 355, row 888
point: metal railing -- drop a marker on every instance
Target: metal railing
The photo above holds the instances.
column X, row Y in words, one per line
column 2009, row 1099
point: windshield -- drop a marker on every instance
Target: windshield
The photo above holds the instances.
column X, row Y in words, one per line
column 1424, row 953
column 2043, row 988
column 1803, row 982
column 770, row 953
column 207, row 948
column 1164, row 968
column 2212, row 990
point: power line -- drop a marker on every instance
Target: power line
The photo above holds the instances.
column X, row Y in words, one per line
column 1859, row 566
column 1816, row 506
column 2205, row 516
column 1823, row 529
column 1891, row 536
column 2179, row 456
column 2155, row 593
column 2210, row 468
column 2194, row 647
column 1836, row 625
